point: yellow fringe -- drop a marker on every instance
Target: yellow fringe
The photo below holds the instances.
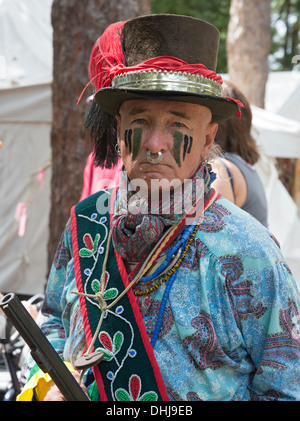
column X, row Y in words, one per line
column 39, row 385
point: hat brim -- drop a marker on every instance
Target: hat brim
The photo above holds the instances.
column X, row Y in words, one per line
column 110, row 100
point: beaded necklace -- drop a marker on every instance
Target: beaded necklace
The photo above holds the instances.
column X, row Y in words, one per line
column 184, row 239
column 171, row 276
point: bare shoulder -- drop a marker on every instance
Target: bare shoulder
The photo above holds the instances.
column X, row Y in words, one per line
column 223, row 183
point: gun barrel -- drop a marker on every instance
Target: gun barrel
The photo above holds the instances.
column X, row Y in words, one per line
column 41, row 349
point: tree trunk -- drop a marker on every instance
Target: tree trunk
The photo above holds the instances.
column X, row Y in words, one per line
column 248, row 46
column 76, row 26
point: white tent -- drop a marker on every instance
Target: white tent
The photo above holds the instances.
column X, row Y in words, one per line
column 277, row 131
column 279, row 136
column 25, row 125
column 25, row 155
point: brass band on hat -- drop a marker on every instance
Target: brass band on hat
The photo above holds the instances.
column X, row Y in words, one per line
column 154, row 158
column 167, row 81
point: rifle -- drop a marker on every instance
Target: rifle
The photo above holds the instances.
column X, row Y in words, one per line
column 41, row 349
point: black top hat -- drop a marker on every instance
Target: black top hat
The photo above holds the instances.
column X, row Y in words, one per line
column 146, row 39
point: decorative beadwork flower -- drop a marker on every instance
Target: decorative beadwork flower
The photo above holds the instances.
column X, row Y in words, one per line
column 90, row 245
column 134, row 387
column 108, row 294
column 110, row 346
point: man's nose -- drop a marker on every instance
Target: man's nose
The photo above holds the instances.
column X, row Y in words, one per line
column 157, row 140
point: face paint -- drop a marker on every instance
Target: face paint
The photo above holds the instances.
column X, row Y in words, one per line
column 178, row 138
column 188, row 141
column 185, row 146
column 130, row 140
column 137, row 136
column 127, row 139
column 190, row 145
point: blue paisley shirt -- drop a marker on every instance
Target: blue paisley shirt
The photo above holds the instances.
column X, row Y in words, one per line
column 230, row 329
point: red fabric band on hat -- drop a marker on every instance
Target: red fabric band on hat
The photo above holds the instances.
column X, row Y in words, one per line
column 167, row 63
column 106, row 71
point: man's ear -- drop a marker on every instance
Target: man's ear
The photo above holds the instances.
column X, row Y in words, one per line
column 210, row 136
column 118, row 118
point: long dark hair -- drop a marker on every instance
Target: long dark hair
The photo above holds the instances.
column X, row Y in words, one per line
column 106, row 53
column 102, row 128
column 234, row 135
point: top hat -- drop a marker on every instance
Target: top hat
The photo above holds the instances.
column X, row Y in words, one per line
column 166, row 57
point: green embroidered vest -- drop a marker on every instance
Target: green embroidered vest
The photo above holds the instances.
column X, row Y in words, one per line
column 129, row 370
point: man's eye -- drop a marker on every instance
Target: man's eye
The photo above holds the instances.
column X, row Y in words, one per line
column 177, row 124
column 140, row 121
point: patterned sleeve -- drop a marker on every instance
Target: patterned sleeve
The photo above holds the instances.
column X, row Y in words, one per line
column 52, row 310
column 266, row 305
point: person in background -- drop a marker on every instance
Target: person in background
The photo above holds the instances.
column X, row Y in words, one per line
column 97, row 178
column 236, row 176
column 31, row 308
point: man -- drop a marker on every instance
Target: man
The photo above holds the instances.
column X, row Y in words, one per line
column 189, row 303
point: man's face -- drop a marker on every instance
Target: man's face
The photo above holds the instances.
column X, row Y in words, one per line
column 182, row 132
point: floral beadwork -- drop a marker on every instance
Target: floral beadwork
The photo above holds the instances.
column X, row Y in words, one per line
column 110, row 346
column 134, row 390
column 108, row 294
column 112, row 325
column 91, row 245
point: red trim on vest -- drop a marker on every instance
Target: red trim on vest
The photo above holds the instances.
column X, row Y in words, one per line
column 88, row 333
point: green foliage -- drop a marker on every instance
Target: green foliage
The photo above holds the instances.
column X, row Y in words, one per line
column 213, row 11
column 285, row 26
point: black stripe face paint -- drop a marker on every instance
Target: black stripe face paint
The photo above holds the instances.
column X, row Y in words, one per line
column 188, row 142
column 190, row 145
column 132, row 140
column 187, row 146
column 127, row 139
column 178, row 138
column 137, row 136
